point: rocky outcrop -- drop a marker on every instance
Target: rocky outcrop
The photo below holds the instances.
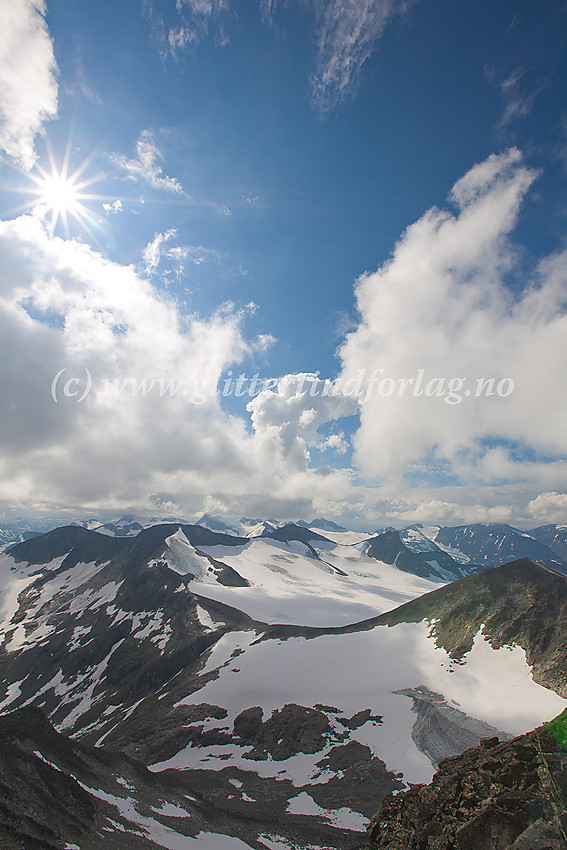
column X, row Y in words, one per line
column 290, row 730
column 497, row 796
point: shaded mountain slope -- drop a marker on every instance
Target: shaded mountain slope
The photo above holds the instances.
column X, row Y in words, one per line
column 55, row 791
column 322, row 524
column 291, row 531
column 95, row 633
column 429, row 561
column 82, row 544
column 62, row 541
column 493, row 544
column 497, row 796
column 554, row 537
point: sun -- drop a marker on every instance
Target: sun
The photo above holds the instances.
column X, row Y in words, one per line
column 59, row 194
column 62, row 196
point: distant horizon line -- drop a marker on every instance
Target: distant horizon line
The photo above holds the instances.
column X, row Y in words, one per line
column 58, row 520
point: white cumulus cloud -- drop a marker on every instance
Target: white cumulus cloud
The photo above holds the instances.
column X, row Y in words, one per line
column 28, row 85
column 442, row 307
column 549, row 507
column 151, row 428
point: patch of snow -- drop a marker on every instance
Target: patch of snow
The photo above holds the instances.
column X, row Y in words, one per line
column 182, row 558
column 344, row 538
column 274, row 842
column 76, row 638
column 171, row 810
column 122, row 718
column 206, row 620
column 154, row 624
column 343, row 818
column 162, row 639
column 37, row 623
column 162, row 835
column 87, row 699
column 212, row 841
column 13, row 691
column 50, row 763
column 96, row 597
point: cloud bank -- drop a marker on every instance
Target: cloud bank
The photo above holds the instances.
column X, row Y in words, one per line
column 81, row 340
column 447, row 304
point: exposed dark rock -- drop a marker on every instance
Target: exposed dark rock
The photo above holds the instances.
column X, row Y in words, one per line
column 554, row 537
column 248, row 724
column 389, row 548
column 360, row 778
column 88, row 546
column 290, row 730
column 496, row 796
column 155, row 735
column 360, row 718
column 290, row 532
column 494, row 544
column 198, row 535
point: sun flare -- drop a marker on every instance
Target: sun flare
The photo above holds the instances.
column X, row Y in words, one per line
column 59, row 194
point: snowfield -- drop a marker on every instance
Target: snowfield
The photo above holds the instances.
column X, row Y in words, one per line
column 351, row 672
column 289, row 585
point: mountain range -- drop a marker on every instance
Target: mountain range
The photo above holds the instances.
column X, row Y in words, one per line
column 446, row 551
column 264, row 691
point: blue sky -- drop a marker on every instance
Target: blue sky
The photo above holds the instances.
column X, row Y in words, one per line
column 265, row 188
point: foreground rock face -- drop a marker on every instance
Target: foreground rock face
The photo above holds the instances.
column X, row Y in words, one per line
column 497, row 796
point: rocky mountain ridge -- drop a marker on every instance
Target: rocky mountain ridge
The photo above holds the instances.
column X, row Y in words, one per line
column 497, row 796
